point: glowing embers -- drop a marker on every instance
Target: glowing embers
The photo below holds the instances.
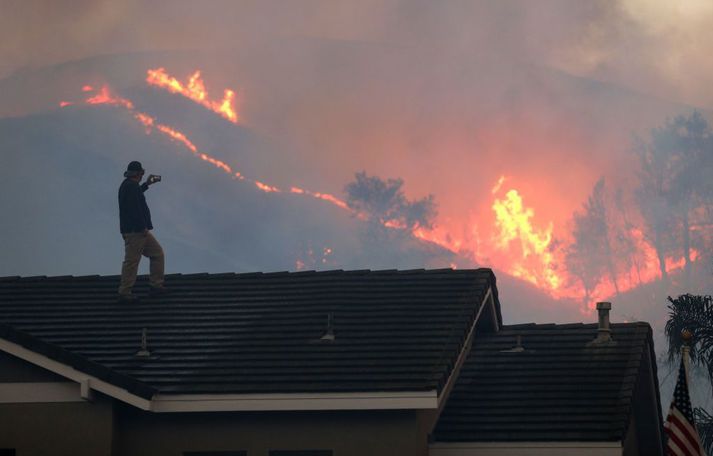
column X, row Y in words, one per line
column 314, row 258
column 195, row 90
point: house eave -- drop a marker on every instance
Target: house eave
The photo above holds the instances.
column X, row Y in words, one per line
column 589, row 448
column 295, row 401
column 87, row 382
column 391, row 400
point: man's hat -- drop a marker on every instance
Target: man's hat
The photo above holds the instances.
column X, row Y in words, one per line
column 134, row 169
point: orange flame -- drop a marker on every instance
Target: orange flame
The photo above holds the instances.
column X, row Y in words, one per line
column 63, row 104
column 195, row 90
column 525, row 249
column 323, row 196
column 267, row 188
column 217, row 163
column 497, row 186
column 331, row 199
column 147, row 120
column 106, row 97
column 645, row 270
column 532, row 259
column 178, row 136
column 395, row 224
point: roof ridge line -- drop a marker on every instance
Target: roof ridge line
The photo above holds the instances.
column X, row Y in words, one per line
column 256, row 273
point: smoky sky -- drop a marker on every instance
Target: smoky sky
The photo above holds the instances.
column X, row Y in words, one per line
column 658, row 47
column 448, row 96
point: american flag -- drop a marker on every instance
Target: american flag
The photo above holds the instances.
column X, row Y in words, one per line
column 680, row 426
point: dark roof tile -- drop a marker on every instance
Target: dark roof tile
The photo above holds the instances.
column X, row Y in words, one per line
column 559, row 388
column 256, row 332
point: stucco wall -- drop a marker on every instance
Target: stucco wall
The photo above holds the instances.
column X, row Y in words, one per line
column 71, row 426
column 13, row 369
column 527, row 449
column 57, row 429
column 384, row 433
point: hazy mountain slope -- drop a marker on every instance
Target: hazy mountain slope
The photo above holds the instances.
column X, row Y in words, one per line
column 58, row 197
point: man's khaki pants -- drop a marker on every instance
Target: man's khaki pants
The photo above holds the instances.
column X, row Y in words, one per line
column 135, row 245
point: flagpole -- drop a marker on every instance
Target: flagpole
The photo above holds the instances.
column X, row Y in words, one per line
column 698, row 450
column 686, row 336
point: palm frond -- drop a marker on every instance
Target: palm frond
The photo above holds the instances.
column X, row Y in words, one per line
column 704, row 424
column 695, row 314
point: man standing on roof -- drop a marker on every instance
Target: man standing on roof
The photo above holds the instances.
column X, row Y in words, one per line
column 135, row 224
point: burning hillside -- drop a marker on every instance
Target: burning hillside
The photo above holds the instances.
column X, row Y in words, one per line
column 508, row 235
column 196, row 92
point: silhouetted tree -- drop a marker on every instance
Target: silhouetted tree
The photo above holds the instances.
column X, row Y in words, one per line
column 383, row 201
column 626, row 244
column 652, row 196
column 590, row 256
column 674, row 183
column 704, row 423
column 586, row 272
column 693, row 147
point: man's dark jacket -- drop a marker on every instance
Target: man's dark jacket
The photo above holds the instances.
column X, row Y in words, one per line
column 134, row 214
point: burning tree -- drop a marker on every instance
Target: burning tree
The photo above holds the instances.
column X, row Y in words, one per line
column 392, row 221
column 590, row 256
column 629, row 254
column 674, row 192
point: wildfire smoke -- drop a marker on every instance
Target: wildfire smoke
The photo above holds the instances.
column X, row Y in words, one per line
column 515, row 241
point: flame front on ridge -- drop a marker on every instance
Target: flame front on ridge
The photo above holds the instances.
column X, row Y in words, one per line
column 105, row 96
column 195, row 90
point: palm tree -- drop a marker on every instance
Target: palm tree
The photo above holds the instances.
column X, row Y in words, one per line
column 704, row 423
column 695, row 314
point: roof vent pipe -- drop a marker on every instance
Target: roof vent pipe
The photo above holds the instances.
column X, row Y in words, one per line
column 604, row 330
column 329, row 335
column 518, row 348
column 144, row 350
